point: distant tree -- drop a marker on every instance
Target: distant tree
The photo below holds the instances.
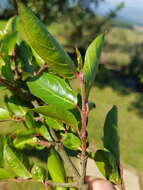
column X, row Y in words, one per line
column 79, row 21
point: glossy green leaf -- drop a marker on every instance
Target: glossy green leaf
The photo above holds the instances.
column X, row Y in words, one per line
column 45, row 133
column 54, row 124
column 8, row 43
column 16, row 106
column 4, row 114
column 58, row 113
column 91, row 62
column 6, row 174
column 56, row 168
column 107, row 165
column 15, row 163
column 71, row 141
column 110, row 137
column 46, row 46
column 52, row 90
column 38, row 173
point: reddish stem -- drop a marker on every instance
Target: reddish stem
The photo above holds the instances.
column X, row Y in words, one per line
column 84, row 113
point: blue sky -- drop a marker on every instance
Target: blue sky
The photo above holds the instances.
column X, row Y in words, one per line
column 132, row 12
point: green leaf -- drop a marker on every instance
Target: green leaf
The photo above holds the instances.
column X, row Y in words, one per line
column 6, row 69
column 54, row 124
column 25, row 57
column 71, row 141
column 6, row 174
column 16, row 106
column 45, row 133
column 107, row 165
column 58, row 113
column 11, row 25
column 29, row 120
column 38, row 173
column 52, row 90
column 79, row 59
column 91, row 62
column 56, row 168
column 110, row 137
column 44, row 44
column 26, row 142
column 3, row 140
column 8, row 43
column 39, row 60
column 4, row 114
column 15, row 163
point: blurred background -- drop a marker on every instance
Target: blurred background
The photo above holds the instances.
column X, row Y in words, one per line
column 75, row 23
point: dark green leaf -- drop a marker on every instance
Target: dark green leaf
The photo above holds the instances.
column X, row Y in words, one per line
column 25, row 57
column 16, row 106
column 71, row 141
column 44, row 44
column 45, row 133
column 7, row 69
column 107, row 165
column 4, row 114
column 54, row 124
column 8, row 43
column 110, row 138
column 56, row 167
column 38, row 173
column 91, row 105
column 15, row 163
column 58, row 113
column 6, row 174
column 91, row 62
column 52, row 90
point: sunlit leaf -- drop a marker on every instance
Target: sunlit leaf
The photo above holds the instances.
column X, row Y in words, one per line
column 58, row 113
column 38, row 173
column 52, row 90
column 56, row 167
column 16, row 106
column 44, row 44
column 15, row 163
column 54, row 124
column 4, row 114
column 91, row 62
column 71, row 141
column 6, row 174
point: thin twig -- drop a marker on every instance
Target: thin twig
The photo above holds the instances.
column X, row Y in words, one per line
column 84, row 113
column 48, row 182
column 63, row 155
